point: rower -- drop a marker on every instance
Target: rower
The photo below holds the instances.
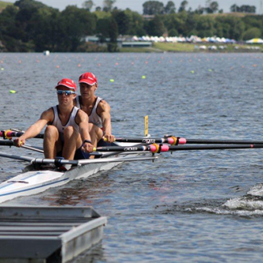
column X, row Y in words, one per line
column 97, row 109
column 67, row 131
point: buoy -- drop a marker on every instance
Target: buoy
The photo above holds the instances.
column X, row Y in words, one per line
column 193, row 71
column 12, row 91
column 143, row 77
column 111, row 80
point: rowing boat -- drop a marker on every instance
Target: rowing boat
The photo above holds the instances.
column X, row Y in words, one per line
column 125, row 150
column 36, row 181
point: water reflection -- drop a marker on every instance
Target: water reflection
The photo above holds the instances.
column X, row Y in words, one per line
column 82, row 192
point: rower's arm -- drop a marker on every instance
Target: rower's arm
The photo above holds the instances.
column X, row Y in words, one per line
column 35, row 128
column 104, row 112
column 83, row 122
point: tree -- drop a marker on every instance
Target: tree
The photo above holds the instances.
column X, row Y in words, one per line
column 234, row 8
column 153, row 8
column 183, row 6
column 176, row 21
column 27, row 9
column 123, row 21
column 253, row 32
column 248, row 9
column 108, row 5
column 102, row 29
column 9, row 31
column 88, row 5
column 205, row 26
column 214, row 6
column 74, row 25
column 45, row 30
column 136, row 23
column 156, row 27
column 200, row 10
column 169, row 8
column 173, row 33
column 252, row 21
column 24, row 4
column 243, row 9
column 229, row 27
column 113, row 33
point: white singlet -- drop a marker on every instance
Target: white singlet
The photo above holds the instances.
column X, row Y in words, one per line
column 71, row 121
column 93, row 117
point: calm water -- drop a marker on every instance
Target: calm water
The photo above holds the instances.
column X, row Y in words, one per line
column 187, row 207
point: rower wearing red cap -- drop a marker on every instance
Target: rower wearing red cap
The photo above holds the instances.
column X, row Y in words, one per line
column 67, row 131
column 97, row 109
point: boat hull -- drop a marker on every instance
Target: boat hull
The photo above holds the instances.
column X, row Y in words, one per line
column 33, row 182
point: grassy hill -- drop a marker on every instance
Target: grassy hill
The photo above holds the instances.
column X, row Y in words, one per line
column 3, row 5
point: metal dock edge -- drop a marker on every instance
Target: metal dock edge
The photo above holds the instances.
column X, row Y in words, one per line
column 47, row 234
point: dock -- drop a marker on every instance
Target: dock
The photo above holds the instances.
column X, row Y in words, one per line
column 47, row 234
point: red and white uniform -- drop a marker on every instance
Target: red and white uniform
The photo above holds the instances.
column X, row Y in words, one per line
column 71, row 121
column 93, row 117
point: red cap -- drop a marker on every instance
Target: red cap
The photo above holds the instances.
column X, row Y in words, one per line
column 88, row 78
column 69, row 83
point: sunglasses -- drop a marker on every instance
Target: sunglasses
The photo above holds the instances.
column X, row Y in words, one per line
column 66, row 92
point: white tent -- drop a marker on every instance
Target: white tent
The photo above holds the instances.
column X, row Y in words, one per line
column 255, row 41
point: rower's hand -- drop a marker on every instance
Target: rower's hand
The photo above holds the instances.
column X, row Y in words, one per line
column 19, row 142
column 87, row 147
column 109, row 138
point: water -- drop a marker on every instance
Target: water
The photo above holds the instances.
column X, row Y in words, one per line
column 187, row 207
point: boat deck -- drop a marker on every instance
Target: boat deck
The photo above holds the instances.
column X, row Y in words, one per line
column 47, row 234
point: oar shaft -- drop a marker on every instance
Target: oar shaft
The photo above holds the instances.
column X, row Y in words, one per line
column 211, row 147
column 211, row 141
column 6, row 143
column 28, row 147
column 156, row 148
column 179, row 141
column 142, row 140
column 171, row 140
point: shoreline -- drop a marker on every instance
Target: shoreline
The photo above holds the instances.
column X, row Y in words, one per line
column 195, row 48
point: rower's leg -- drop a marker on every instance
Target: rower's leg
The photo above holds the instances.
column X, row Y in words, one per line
column 72, row 141
column 96, row 134
column 52, row 143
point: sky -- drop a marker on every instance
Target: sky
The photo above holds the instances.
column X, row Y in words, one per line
column 136, row 5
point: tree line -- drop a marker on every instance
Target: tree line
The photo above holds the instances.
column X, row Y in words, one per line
column 29, row 26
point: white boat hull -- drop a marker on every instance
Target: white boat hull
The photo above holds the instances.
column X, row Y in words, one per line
column 34, row 182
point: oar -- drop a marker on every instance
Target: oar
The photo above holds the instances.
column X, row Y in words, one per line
column 148, row 140
column 172, row 140
column 214, row 141
column 28, row 147
column 76, row 162
column 156, row 148
column 8, row 134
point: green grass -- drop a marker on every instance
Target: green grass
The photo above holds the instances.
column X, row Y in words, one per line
column 3, row 5
column 190, row 47
column 175, row 47
column 140, row 49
